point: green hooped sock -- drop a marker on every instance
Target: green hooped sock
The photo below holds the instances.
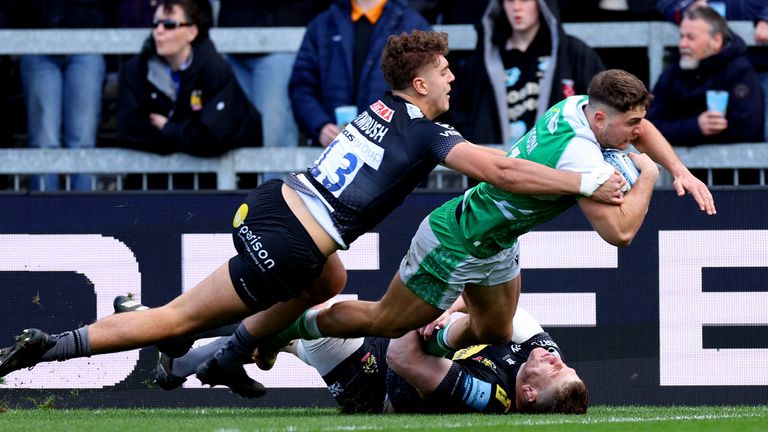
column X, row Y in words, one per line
column 438, row 346
column 301, row 328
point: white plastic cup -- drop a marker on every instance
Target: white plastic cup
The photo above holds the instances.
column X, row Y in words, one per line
column 717, row 100
column 345, row 114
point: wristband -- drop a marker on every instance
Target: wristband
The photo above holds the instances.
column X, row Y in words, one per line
column 591, row 181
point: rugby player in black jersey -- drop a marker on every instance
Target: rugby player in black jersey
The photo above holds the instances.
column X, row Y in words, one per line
column 374, row 374
column 286, row 233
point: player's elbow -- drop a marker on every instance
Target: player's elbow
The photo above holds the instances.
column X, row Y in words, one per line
column 619, row 238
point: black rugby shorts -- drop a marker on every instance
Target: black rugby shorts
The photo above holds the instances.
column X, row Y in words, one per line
column 276, row 257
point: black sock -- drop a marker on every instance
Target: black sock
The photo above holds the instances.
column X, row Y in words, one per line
column 238, row 350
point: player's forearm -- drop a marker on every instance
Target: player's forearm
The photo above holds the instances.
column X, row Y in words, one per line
column 653, row 143
column 531, row 178
column 631, row 213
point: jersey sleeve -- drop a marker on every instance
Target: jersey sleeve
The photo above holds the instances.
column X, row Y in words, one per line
column 583, row 156
column 440, row 138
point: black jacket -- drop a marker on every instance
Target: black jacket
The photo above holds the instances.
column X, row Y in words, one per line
column 210, row 115
column 680, row 97
column 478, row 103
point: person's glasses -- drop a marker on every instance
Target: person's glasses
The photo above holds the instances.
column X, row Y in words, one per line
column 169, row 24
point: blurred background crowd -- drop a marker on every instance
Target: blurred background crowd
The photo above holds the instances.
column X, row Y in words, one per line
column 179, row 94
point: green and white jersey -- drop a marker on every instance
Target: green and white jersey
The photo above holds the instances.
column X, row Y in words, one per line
column 490, row 219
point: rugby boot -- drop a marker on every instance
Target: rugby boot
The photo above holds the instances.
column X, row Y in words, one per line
column 236, row 379
column 127, row 304
column 164, row 376
column 30, row 346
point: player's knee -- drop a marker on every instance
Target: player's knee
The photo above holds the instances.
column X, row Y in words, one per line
column 494, row 335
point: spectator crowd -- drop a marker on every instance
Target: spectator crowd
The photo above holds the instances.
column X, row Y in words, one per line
column 179, row 94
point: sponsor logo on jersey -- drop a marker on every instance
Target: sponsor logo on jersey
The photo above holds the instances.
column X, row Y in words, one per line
column 336, row 389
column 553, row 116
column 413, row 111
column 501, row 396
column 485, row 362
column 370, row 127
column 383, row 111
column 468, row 352
column 240, row 215
column 450, row 130
column 255, row 248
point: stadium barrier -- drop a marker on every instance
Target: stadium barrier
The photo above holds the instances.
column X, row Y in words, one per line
column 654, row 36
column 116, row 163
column 679, row 317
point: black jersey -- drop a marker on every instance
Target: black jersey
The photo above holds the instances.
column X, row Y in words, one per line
column 375, row 162
column 481, row 379
column 357, row 383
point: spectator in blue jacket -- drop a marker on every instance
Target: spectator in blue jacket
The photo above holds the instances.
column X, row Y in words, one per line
column 338, row 63
column 711, row 58
column 264, row 76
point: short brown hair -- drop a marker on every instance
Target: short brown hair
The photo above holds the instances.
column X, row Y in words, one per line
column 571, row 398
column 619, row 90
column 406, row 53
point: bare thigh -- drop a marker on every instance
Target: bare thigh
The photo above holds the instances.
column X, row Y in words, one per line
column 211, row 303
column 491, row 309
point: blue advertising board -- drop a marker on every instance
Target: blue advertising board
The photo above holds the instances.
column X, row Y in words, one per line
column 678, row 317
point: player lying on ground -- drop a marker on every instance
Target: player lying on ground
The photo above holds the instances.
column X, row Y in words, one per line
column 373, row 374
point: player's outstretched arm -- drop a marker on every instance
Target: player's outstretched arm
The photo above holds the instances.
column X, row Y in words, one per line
column 653, row 143
column 618, row 224
column 525, row 177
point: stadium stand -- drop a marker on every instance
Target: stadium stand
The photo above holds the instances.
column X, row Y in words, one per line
column 653, row 36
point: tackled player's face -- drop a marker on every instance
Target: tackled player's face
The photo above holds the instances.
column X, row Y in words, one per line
column 544, row 369
column 618, row 130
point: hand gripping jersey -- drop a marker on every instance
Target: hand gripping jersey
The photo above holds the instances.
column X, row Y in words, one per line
column 481, row 379
column 374, row 163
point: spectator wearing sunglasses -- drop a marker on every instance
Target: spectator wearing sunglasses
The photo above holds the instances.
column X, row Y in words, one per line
column 62, row 93
column 179, row 94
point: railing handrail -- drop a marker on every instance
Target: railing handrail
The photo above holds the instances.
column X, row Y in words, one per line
column 281, row 159
column 655, row 36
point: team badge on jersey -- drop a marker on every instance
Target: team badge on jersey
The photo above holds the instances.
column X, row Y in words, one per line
column 196, row 100
column 369, row 363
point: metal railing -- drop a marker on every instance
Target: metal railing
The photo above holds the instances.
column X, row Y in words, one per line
column 20, row 163
column 655, row 36
column 117, row 163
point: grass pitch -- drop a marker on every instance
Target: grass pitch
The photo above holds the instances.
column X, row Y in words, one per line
column 600, row 418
